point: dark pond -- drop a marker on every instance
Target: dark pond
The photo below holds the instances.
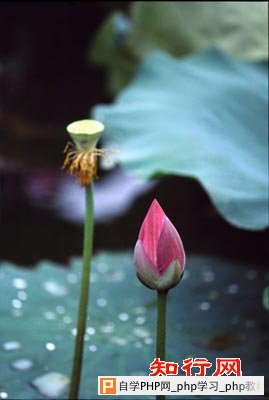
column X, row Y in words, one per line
column 46, row 82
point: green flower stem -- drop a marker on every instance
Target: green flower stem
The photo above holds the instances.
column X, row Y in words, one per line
column 161, row 329
column 84, row 296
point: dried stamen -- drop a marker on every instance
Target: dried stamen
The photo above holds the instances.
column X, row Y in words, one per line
column 82, row 164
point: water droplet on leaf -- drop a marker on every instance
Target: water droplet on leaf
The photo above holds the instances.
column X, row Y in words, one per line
column 119, row 341
column 213, row 294
column 233, row 288
column 19, row 283
column 67, row 320
column 101, row 302
column 148, row 341
column 140, row 310
column 55, row 288
column 11, row 346
column 90, row 330
column 93, row 348
column 102, row 267
column 72, row 278
column 50, row 346
column 141, row 332
column 208, row 276
column 22, row 364
column 52, row 384
column 108, row 328
column 204, row 306
column 140, row 320
column 123, row 317
column 60, row 309
column 49, row 315
column 22, row 295
column 16, row 303
column 115, row 277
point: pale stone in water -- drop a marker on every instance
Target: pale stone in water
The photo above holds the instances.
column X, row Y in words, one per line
column 52, row 384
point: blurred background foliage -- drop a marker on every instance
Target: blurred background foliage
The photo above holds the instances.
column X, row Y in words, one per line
column 180, row 28
column 197, row 117
column 205, row 107
column 44, row 86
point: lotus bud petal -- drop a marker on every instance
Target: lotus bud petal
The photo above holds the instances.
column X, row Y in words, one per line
column 159, row 254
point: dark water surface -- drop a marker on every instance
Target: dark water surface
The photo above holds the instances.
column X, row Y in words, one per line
column 46, row 82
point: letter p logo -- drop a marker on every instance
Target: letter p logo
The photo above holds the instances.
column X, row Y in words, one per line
column 107, row 385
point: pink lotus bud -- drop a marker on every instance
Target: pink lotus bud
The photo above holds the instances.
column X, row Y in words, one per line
column 159, row 254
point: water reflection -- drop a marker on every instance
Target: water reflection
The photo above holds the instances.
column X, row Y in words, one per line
column 43, row 211
column 113, row 196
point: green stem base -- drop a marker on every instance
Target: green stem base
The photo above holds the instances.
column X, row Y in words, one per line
column 84, row 296
column 161, row 329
